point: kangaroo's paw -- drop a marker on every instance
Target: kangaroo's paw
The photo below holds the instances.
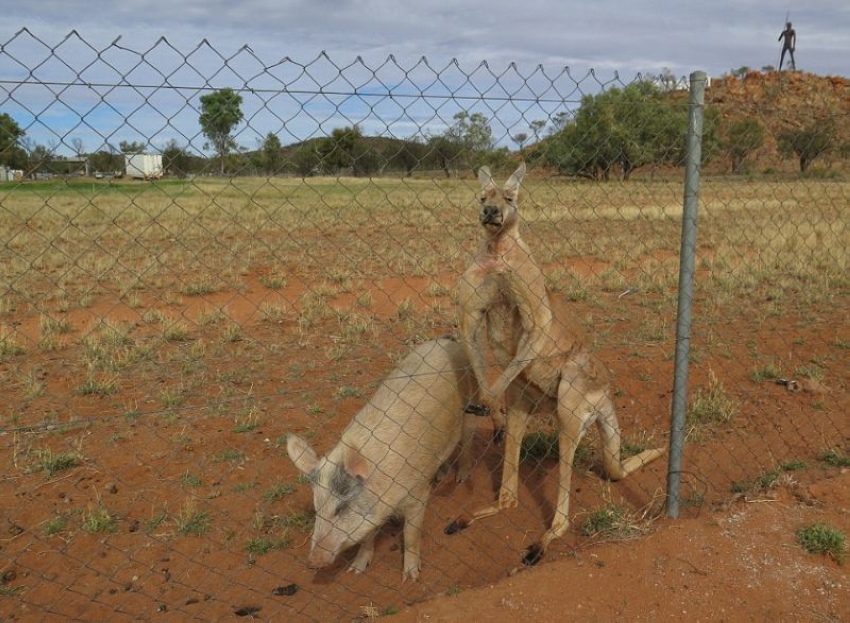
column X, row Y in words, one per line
column 533, row 554
column 461, row 522
column 499, row 436
column 507, row 499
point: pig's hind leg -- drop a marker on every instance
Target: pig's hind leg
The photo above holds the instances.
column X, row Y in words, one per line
column 414, row 517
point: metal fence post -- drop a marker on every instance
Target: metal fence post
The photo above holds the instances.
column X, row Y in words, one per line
column 693, row 156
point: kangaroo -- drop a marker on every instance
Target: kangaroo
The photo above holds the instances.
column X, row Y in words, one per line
column 505, row 305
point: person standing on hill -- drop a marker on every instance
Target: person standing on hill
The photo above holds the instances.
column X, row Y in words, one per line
column 789, row 44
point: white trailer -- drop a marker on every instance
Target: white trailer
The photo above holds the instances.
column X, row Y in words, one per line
column 143, row 166
column 11, row 175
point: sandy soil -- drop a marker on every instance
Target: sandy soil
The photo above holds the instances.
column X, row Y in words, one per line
column 154, row 471
column 741, row 563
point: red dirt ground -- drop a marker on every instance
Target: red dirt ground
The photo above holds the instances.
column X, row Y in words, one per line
column 737, row 564
column 728, row 558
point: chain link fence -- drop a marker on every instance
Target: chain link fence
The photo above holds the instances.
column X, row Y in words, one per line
column 161, row 336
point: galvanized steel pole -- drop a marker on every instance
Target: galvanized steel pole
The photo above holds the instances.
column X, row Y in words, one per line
column 687, row 262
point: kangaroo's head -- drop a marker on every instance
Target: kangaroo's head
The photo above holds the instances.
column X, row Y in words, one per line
column 499, row 205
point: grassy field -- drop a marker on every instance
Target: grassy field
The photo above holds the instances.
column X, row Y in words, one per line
column 71, row 242
column 92, row 266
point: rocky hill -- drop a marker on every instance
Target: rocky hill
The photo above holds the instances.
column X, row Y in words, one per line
column 783, row 101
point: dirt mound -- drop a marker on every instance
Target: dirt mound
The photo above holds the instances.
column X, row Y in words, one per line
column 713, row 567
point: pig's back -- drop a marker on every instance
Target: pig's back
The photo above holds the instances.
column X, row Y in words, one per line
column 414, row 419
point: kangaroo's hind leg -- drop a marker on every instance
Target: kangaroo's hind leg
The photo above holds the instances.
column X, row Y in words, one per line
column 518, row 412
column 577, row 410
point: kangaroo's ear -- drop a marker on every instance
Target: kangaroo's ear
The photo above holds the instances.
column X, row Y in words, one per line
column 485, row 177
column 301, row 454
column 512, row 185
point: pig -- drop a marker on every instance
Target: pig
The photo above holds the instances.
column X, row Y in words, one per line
column 389, row 455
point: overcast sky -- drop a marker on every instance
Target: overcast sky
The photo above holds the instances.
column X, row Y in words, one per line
column 618, row 37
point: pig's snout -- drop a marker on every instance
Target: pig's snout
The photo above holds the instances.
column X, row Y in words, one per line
column 324, row 550
column 320, row 557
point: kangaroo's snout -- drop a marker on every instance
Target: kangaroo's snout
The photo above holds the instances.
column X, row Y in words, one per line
column 491, row 215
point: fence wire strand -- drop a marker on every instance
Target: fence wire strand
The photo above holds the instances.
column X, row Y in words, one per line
column 161, row 337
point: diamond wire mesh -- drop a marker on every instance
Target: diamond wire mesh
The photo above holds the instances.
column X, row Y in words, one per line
column 160, row 338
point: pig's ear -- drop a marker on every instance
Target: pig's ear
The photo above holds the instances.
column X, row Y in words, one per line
column 356, row 465
column 301, row 453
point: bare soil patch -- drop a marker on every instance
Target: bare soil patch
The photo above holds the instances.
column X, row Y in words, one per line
column 738, row 563
column 727, row 559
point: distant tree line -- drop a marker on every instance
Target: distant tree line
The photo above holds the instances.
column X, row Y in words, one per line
column 611, row 134
column 619, row 131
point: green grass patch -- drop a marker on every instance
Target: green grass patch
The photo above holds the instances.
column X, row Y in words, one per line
column 347, row 392
column 769, row 479
column 539, row 446
column 156, row 521
column 228, row 456
column 9, row 347
column 820, row 538
column 192, row 522
column 98, row 520
column 300, row 520
column 794, row 465
column 199, row 288
column 246, row 421
column 767, row 372
column 711, row 405
column 190, row 480
column 835, row 458
column 98, row 386
column 55, row 525
column 278, row 491
column 543, row 446
column 263, row 545
column 51, row 464
column 611, row 521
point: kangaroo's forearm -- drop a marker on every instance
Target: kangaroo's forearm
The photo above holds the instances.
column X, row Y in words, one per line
column 473, row 338
column 527, row 350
